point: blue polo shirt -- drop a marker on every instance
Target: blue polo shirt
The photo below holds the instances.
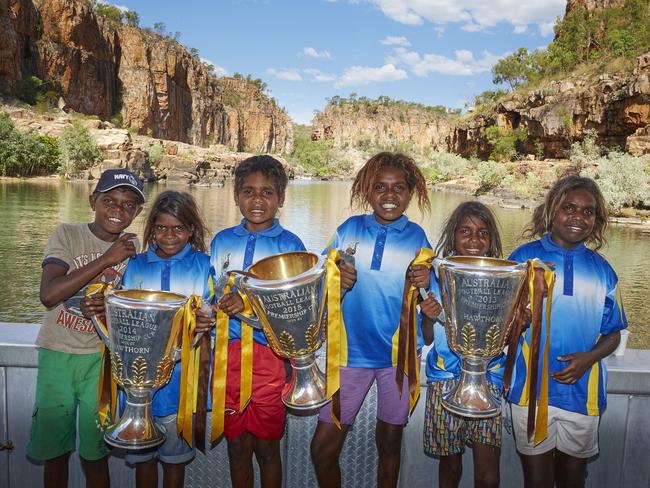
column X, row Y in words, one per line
column 443, row 363
column 371, row 308
column 187, row 273
column 586, row 304
column 237, row 248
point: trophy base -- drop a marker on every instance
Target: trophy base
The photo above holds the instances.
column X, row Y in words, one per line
column 471, row 396
column 307, row 388
column 136, row 428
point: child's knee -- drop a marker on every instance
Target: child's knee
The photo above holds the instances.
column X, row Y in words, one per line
column 267, row 452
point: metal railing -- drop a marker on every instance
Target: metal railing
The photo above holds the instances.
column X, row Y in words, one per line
column 624, row 434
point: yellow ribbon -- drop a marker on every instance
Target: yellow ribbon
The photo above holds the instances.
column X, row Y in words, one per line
column 185, row 321
column 220, row 369
column 407, row 346
column 541, row 417
column 106, row 404
column 246, row 366
column 336, row 337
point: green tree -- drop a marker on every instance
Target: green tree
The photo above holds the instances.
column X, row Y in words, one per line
column 78, row 149
column 515, row 69
column 132, row 18
column 505, row 142
column 109, row 12
column 25, row 154
column 160, row 28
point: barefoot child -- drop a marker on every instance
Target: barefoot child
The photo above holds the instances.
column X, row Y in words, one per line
column 260, row 183
column 471, row 230
column 383, row 243
column 77, row 255
column 586, row 318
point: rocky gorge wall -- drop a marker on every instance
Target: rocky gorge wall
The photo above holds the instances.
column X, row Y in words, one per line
column 616, row 106
column 360, row 124
column 156, row 86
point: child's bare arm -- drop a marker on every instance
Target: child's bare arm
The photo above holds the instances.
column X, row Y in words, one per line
column 57, row 286
column 579, row 362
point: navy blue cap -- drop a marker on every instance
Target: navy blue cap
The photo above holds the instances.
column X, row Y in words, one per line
column 114, row 178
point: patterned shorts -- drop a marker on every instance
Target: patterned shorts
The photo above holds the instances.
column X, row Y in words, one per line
column 446, row 433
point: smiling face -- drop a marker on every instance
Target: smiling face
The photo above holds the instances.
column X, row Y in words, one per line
column 258, row 201
column 472, row 237
column 114, row 212
column 170, row 235
column 390, row 195
column 574, row 220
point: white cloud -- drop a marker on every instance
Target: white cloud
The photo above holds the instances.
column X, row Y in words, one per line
column 396, row 41
column 364, row 75
column 310, row 52
column 439, row 30
column 464, row 63
column 287, row 74
column 218, row 70
column 520, row 29
column 474, row 15
column 319, row 76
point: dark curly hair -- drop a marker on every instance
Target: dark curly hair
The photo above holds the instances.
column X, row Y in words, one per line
column 181, row 206
column 268, row 166
column 447, row 246
column 543, row 216
column 365, row 179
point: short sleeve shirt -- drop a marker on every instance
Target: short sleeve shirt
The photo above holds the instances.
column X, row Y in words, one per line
column 237, row 248
column 188, row 273
column 586, row 304
column 371, row 308
column 64, row 328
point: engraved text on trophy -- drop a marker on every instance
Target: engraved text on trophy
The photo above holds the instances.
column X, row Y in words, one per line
column 483, row 304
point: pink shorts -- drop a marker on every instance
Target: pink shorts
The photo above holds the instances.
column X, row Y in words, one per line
column 355, row 383
column 264, row 416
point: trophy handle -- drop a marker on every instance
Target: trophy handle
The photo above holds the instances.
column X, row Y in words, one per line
column 253, row 320
column 101, row 328
column 347, row 258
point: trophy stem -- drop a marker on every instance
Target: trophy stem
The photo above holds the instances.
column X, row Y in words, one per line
column 471, row 397
column 307, row 388
column 136, row 428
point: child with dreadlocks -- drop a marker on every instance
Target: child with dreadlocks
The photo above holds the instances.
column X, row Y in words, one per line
column 383, row 243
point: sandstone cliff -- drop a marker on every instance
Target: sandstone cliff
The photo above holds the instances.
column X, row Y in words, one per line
column 394, row 125
column 155, row 85
column 616, row 106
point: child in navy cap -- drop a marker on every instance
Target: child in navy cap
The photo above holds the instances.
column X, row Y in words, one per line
column 76, row 256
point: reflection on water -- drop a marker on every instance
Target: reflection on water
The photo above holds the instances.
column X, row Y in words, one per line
column 313, row 209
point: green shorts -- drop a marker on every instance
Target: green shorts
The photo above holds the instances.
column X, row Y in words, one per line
column 65, row 383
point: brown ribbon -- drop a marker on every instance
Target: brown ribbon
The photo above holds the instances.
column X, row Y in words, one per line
column 540, row 290
column 202, row 394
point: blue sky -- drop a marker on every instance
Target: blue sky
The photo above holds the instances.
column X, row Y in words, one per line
column 435, row 52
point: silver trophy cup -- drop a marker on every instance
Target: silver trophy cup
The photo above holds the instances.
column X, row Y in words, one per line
column 479, row 298
column 286, row 292
column 143, row 351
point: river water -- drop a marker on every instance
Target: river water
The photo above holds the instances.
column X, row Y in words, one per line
column 313, row 209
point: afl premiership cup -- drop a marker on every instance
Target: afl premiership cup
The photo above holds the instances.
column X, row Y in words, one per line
column 479, row 298
column 143, row 339
column 287, row 294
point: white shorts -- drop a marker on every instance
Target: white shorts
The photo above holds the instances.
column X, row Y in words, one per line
column 569, row 432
